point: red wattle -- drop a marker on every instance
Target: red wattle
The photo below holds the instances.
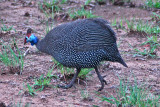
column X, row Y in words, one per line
column 28, row 35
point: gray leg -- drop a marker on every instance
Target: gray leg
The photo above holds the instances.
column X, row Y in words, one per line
column 101, row 79
column 72, row 81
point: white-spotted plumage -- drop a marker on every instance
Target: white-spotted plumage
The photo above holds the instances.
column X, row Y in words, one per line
column 82, row 43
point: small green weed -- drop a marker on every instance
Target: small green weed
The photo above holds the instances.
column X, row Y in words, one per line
column 117, row 25
column 141, row 26
column 147, row 29
column 40, row 83
column 133, row 95
column 84, row 72
column 9, row 58
column 20, row 103
column 81, row 13
column 29, row 90
column 121, row 24
column 6, row 29
column 114, row 22
column 130, row 24
column 156, row 17
column 64, row 1
column 85, row 95
column 49, row 27
column 51, row 11
column 87, row 2
column 50, row 6
column 43, row 82
column 153, row 45
column 153, row 3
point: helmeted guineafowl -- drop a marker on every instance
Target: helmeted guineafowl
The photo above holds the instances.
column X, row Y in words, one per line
column 83, row 43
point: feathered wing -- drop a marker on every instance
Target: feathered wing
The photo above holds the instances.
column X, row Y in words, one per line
column 104, row 24
column 94, row 34
column 80, row 36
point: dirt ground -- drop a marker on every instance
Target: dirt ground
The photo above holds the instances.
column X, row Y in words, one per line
column 36, row 63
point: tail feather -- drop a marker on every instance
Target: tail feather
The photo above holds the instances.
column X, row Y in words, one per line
column 112, row 54
column 121, row 61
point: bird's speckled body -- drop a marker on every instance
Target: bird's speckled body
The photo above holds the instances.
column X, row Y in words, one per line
column 82, row 44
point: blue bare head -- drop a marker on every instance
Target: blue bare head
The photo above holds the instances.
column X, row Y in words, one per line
column 30, row 38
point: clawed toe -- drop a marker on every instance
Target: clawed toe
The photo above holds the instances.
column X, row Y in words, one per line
column 66, row 86
column 100, row 89
column 72, row 81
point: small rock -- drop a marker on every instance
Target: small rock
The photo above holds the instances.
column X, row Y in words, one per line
column 27, row 14
column 43, row 97
column 14, row 4
column 132, row 4
column 2, row 104
column 102, row 2
column 118, row 3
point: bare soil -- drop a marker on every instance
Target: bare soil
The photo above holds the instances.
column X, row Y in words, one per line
column 24, row 14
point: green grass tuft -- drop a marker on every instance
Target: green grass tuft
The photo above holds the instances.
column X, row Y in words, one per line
column 133, row 96
column 153, row 3
column 6, row 29
column 153, row 44
column 10, row 58
column 87, row 2
column 81, row 13
column 43, row 82
column 141, row 26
